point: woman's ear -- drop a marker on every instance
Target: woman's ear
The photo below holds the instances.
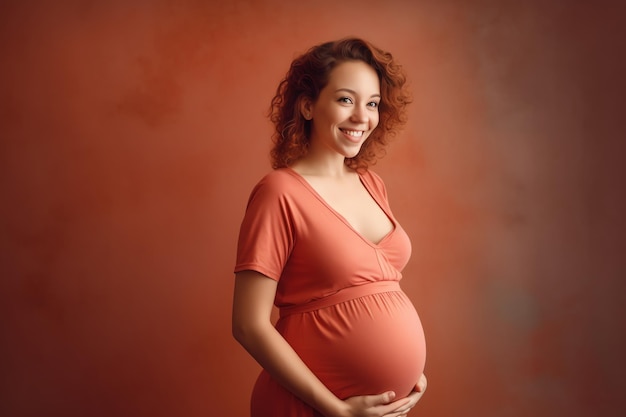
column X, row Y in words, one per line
column 306, row 108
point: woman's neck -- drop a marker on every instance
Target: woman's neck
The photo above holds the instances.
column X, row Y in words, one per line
column 313, row 165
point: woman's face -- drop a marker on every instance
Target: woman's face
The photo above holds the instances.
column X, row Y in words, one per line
column 346, row 111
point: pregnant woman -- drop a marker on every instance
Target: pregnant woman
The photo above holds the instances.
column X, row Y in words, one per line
column 319, row 241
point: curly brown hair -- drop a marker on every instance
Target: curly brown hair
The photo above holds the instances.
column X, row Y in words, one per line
column 309, row 74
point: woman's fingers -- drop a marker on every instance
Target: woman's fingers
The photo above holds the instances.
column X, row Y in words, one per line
column 413, row 398
column 385, row 404
column 376, row 405
column 406, row 407
column 378, row 399
column 421, row 384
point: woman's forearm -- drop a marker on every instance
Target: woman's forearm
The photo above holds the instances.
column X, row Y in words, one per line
column 252, row 327
column 278, row 358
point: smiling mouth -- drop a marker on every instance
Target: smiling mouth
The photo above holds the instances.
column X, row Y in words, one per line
column 353, row 133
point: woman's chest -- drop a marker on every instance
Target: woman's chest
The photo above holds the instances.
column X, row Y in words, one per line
column 356, row 206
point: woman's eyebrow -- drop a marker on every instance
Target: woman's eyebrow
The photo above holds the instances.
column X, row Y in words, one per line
column 354, row 92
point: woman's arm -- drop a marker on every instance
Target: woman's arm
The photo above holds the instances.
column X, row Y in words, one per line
column 252, row 307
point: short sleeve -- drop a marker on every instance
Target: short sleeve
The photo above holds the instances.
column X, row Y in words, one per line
column 266, row 235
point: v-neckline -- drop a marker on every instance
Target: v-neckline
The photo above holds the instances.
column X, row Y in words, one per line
column 374, row 197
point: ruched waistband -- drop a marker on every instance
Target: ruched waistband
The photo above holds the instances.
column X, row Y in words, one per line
column 341, row 296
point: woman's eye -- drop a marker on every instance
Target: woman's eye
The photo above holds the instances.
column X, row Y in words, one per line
column 372, row 104
column 346, row 100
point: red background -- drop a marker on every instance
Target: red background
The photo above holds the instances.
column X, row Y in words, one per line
column 132, row 133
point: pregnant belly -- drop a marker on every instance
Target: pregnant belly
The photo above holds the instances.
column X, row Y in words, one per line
column 362, row 346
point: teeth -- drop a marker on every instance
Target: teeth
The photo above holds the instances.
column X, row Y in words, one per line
column 355, row 133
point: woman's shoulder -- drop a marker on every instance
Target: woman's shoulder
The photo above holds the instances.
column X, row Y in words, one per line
column 371, row 177
column 374, row 181
column 371, row 174
column 276, row 182
column 279, row 177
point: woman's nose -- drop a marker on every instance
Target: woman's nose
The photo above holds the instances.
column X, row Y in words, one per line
column 359, row 114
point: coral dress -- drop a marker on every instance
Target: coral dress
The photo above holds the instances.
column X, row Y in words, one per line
column 341, row 306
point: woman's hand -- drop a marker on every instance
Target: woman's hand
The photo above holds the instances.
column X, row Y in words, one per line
column 414, row 397
column 382, row 405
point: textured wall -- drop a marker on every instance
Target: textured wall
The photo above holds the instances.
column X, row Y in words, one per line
column 132, row 132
